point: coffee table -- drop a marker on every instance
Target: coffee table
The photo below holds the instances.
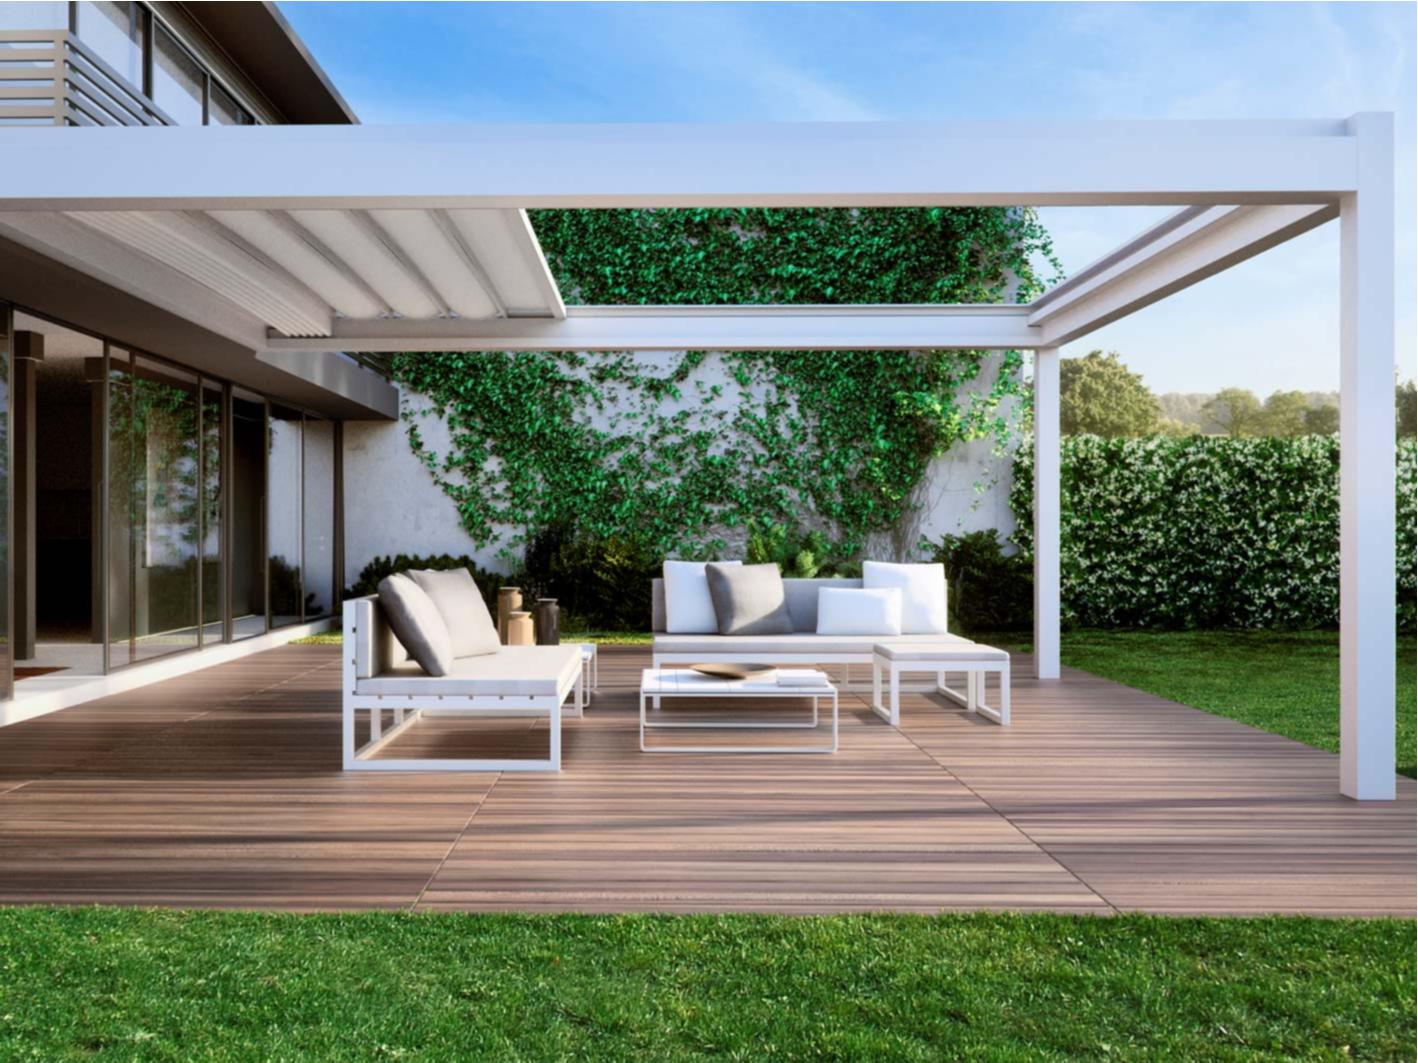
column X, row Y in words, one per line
column 661, row 683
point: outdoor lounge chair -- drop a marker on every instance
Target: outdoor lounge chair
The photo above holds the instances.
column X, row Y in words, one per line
column 379, row 676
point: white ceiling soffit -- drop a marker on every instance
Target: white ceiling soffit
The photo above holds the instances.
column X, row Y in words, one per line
column 300, row 271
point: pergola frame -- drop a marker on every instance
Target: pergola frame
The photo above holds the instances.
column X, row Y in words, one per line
column 1244, row 187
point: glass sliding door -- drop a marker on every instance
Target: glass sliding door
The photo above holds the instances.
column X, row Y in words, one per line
column 7, row 670
column 246, row 553
column 154, row 509
column 284, row 533
column 319, row 517
column 213, row 481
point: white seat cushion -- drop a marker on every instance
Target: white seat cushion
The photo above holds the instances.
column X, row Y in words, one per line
column 789, row 646
column 928, row 653
column 922, row 593
column 857, row 611
column 517, row 671
column 689, row 608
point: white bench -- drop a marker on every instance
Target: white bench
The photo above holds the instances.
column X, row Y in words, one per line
column 516, row 681
column 943, row 658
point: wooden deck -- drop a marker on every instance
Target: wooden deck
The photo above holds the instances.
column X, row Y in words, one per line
column 223, row 788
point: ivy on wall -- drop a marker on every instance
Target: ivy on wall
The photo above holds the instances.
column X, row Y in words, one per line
column 676, row 452
column 1206, row 531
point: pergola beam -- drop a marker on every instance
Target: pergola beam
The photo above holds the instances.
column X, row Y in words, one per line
column 828, row 164
column 727, row 328
column 1183, row 250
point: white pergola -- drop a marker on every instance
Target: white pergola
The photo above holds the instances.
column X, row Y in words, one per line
column 304, row 241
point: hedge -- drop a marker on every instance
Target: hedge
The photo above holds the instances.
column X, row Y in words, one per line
column 1206, row 531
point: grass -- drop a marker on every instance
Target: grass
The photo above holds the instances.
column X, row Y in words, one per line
column 125, row 984
column 1283, row 682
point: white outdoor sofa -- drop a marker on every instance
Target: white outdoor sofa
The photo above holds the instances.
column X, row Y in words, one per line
column 805, row 648
column 379, row 677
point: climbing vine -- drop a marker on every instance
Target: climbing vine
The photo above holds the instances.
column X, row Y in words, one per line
column 678, row 450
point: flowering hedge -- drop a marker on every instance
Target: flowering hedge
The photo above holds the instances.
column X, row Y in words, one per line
column 1206, row 531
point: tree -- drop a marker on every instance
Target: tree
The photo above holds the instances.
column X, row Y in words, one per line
column 1283, row 415
column 1236, row 411
column 1322, row 420
column 1405, row 402
column 1099, row 395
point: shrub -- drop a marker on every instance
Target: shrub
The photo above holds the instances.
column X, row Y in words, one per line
column 1205, row 531
column 989, row 590
column 599, row 584
column 798, row 555
column 369, row 577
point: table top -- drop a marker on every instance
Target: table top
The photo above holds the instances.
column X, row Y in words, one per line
column 685, row 681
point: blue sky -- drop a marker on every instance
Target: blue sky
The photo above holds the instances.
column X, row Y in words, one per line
column 1270, row 323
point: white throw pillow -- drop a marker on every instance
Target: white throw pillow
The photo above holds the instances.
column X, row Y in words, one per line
column 689, row 610
column 853, row 611
column 456, row 597
column 922, row 593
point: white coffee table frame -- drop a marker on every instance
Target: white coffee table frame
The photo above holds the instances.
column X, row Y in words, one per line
column 657, row 683
column 954, row 660
column 590, row 673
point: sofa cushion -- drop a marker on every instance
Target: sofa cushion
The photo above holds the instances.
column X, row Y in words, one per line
column 922, row 593
column 689, row 608
column 940, row 651
column 790, row 647
column 416, row 623
column 749, row 599
column 842, row 611
column 456, row 597
column 518, row 671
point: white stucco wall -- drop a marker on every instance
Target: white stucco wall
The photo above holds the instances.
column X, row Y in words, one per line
column 392, row 504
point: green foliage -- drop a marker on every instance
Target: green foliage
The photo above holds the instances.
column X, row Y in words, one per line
column 381, row 567
column 1284, row 415
column 1207, row 531
column 599, row 584
column 1286, row 683
column 676, row 456
column 988, row 589
column 798, row 555
column 1405, row 407
column 1235, row 411
column 158, row 986
column 709, row 255
column 1322, row 420
column 1100, row 396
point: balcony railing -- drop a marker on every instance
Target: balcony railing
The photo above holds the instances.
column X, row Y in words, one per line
column 49, row 77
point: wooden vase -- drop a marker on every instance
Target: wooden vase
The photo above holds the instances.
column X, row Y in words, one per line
column 520, row 629
column 509, row 600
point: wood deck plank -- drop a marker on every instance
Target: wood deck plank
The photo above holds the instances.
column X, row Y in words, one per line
column 223, row 788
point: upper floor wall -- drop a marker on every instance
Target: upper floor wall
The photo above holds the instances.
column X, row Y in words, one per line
column 101, row 62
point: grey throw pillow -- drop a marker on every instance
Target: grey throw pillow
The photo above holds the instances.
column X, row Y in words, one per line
column 416, row 623
column 460, row 603
column 749, row 599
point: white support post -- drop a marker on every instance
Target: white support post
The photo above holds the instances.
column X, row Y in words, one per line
column 1366, row 469
column 1046, row 513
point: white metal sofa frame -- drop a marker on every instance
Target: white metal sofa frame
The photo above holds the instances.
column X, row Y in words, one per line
column 370, row 648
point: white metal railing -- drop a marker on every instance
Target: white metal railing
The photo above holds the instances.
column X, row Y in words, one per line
column 50, row 77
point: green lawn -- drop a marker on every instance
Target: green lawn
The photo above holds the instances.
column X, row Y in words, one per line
column 1285, row 683
column 114, row 984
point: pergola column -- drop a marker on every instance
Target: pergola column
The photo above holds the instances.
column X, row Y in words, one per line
column 1046, row 513
column 1366, row 469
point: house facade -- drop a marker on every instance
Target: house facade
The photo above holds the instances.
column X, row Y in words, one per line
column 173, row 496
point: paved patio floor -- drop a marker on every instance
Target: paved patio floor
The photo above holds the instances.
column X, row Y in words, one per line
column 224, row 789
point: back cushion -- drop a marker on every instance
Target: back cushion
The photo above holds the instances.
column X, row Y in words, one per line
column 689, row 610
column 922, row 593
column 858, row 611
column 749, row 599
column 456, row 597
column 417, row 624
